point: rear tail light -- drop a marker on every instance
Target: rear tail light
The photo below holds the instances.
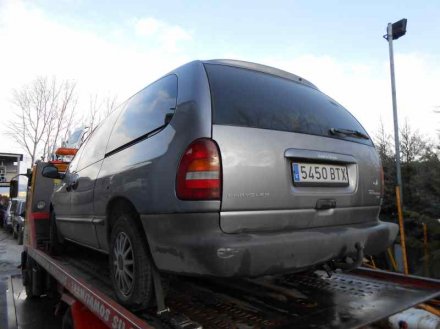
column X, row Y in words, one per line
column 199, row 173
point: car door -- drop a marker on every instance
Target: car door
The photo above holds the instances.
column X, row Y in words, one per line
column 80, row 227
column 61, row 197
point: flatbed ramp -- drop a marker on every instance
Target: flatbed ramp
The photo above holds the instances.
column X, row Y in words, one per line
column 313, row 300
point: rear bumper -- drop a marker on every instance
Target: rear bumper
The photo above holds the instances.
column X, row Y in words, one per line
column 194, row 244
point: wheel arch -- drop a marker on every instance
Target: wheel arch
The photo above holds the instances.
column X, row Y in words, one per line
column 121, row 203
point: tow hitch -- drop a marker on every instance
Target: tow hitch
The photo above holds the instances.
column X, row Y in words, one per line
column 348, row 264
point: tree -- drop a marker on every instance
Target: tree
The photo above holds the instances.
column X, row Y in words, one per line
column 385, row 147
column 62, row 117
column 45, row 110
column 412, row 144
column 99, row 109
column 415, row 149
column 421, row 191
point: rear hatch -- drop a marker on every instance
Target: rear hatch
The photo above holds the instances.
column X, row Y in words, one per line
column 292, row 157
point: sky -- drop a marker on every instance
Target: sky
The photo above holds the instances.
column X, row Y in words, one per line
column 118, row 47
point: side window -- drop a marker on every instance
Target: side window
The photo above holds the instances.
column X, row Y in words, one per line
column 74, row 164
column 145, row 112
column 94, row 148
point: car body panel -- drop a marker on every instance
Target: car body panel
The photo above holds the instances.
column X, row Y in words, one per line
column 144, row 173
column 193, row 243
column 257, row 176
column 17, row 221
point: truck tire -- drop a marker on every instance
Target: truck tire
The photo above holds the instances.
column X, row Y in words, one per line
column 67, row 322
column 28, row 278
column 130, row 263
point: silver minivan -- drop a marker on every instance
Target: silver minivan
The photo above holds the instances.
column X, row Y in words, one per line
column 223, row 168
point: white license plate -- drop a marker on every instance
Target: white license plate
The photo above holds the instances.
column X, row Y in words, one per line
column 315, row 174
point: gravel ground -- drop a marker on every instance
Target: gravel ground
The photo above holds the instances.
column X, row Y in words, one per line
column 10, row 254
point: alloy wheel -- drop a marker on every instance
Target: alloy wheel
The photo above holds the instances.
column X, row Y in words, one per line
column 123, row 263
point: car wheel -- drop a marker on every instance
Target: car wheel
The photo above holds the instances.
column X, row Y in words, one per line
column 14, row 234
column 130, row 264
column 56, row 246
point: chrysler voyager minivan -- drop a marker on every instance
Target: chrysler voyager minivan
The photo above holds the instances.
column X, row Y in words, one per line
column 223, row 168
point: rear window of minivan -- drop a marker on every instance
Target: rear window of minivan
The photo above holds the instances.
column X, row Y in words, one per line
column 248, row 98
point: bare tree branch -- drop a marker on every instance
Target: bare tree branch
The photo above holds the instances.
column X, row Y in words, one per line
column 45, row 107
column 99, row 109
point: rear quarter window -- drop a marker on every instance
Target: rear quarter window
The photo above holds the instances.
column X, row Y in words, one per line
column 145, row 112
column 248, row 98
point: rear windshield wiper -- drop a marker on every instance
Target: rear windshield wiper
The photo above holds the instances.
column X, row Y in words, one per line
column 348, row 132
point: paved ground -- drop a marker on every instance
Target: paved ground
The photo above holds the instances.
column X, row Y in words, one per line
column 10, row 254
column 16, row 310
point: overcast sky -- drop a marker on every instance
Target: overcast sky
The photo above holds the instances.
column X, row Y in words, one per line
column 118, row 47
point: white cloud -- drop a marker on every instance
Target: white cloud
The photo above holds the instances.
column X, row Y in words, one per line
column 147, row 26
column 124, row 60
column 33, row 43
column 169, row 36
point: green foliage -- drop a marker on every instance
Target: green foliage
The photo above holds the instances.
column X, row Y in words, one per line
column 420, row 167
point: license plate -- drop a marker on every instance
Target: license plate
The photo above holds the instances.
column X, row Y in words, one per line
column 319, row 174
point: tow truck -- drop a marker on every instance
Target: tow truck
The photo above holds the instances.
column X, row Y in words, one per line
column 80, row 280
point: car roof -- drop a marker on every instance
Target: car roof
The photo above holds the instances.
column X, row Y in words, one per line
column 261, row 68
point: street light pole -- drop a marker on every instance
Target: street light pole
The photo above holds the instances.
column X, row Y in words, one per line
column 393, row 94
column 395, row 31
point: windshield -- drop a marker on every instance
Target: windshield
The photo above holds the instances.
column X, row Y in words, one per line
column 248, row 98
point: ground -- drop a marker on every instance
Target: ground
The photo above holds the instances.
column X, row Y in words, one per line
column 10, row 253
column 20, row 312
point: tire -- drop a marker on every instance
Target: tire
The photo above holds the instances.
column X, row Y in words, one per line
column 56, row 245
column 27, row 277
column 67, row 322
column 130, row 263
column 20, row 237
column 14, row 234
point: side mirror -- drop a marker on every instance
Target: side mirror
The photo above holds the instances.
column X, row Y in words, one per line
column 13, row 189
column 50, row 171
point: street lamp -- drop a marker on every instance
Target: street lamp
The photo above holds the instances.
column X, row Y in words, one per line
column 394, row 32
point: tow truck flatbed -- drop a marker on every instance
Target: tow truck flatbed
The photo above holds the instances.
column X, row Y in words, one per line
column 312, row 300
column 308, row 300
